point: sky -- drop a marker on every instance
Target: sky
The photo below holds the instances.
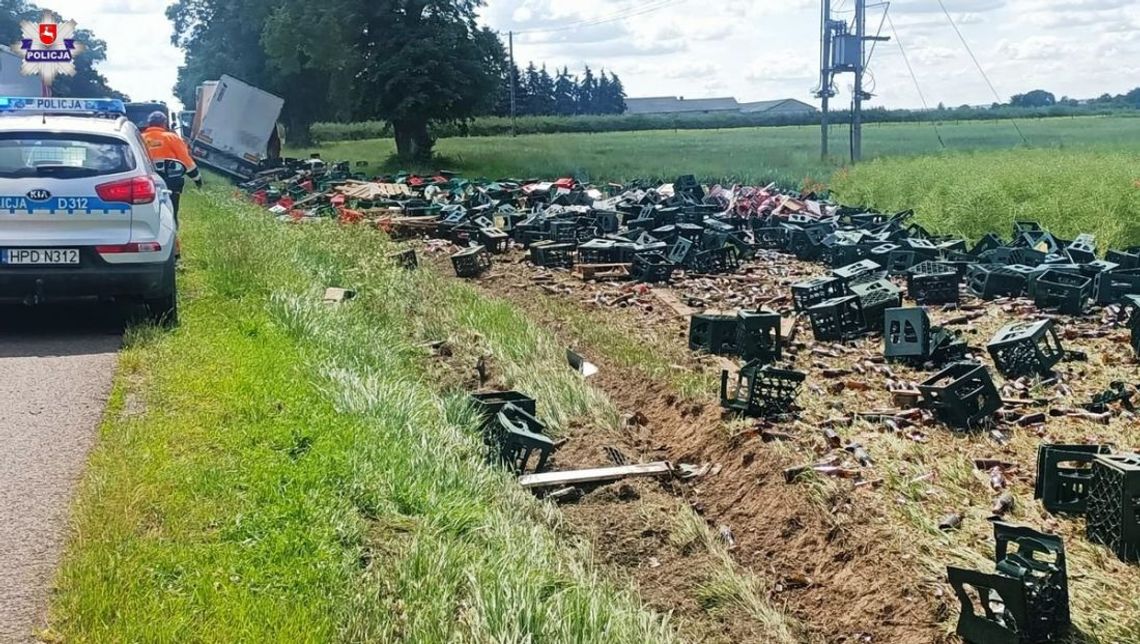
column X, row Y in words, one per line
column 750, row 49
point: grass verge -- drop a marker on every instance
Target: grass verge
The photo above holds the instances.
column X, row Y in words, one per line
column 277, row 469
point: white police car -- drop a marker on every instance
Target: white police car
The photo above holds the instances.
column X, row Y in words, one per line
column 84, row 212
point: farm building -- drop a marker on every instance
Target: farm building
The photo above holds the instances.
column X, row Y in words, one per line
column 681, row 105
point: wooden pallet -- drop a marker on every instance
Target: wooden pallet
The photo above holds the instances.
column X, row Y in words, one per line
column 601, row 272
column 371, row 191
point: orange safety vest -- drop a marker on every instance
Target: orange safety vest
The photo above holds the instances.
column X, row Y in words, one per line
column 161, row 143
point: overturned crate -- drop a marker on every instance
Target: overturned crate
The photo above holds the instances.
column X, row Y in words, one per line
column 875, row 297
column 1064, row 476
column 1066, row 292
column 519, row 441
column 761, row 390
column 1026, row 348
column 549, row 254
column 962, row 395
column 1113, row 514
column 808, row 293
column 652, row 267
column 758, row 336
column 906, row 334
column 837, row 319
column 712, row 332
column 1026, row 599
column 933, row 283
column 471, row 262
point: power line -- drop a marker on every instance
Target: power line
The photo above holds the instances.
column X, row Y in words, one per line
column 981, row 71
column 914, row 78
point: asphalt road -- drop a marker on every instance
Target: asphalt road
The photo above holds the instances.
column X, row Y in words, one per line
column 56, row 368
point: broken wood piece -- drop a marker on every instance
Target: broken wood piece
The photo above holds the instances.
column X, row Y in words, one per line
column 670, row 300
column 594, row 475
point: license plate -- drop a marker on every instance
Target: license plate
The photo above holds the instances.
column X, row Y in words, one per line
column 40, row 256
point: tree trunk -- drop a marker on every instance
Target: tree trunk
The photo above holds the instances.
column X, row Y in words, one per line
column 413, row 142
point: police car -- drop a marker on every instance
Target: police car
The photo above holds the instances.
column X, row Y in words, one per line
column 84, row 213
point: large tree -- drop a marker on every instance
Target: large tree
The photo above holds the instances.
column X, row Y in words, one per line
column 422, row 62
column 87, row 80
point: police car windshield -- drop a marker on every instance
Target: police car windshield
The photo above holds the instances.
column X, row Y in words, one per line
column 62, row 155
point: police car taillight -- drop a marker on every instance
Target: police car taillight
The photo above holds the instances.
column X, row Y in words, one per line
column 134, row 247
column 138, row 190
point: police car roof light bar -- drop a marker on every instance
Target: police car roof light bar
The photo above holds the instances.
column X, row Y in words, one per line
column 28, row 105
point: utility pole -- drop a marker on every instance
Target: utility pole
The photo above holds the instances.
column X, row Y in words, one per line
column 511, row 46
column 824, row 93
column 857, row 113
column 842, row 50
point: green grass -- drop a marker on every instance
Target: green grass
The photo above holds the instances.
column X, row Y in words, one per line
column 1069, row 192
column 753, row 155
column 281, row 470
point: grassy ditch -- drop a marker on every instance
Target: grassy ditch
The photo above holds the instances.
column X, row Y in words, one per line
column 278, row 469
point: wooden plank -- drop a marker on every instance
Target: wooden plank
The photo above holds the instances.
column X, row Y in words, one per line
column 575, row 477
column 672, row 302
column 601, row 271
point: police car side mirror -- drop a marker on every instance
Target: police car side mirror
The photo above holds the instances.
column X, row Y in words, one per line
column 170, row 169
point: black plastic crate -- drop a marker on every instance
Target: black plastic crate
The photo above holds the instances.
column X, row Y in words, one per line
column 874, row 300
column 807, row 243
column 901, row 261
column 1113, row 514
column 517, row 437
column 1127, row 259
column 1026, row 599
column 1063, row 291
column 598, row 251
column 715, row 261
column 1026, row 348
column 808, row 293
column 761, row 390
column 563, row 231
column 906, row 333
column 680, row 251
column 652, row 267
column 490, row 403
column 550, row 254
column 845, row 254
column 772, row 238
column 933, row 283
column 758, row 336
column 962, row 395
column 989, row 282
column 713, row 333
column 1110, row 287
column 471, row 262
column 494, row 240
column 1064, row 475
column 863, row 270
column 1082, row 250
column 837, row 319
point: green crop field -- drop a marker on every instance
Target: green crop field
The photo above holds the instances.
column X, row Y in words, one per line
column 755, row 155
column 1076, row 174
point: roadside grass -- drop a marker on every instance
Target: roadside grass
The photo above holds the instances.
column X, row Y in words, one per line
column 749, row 155
column 282, row 470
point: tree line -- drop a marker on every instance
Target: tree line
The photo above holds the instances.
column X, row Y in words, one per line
column 537, row 93
column 87, row 81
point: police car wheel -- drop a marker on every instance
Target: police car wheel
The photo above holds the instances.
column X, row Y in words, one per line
column 163, row 310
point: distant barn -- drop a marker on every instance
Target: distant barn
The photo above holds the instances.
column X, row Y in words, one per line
column 681, row 105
